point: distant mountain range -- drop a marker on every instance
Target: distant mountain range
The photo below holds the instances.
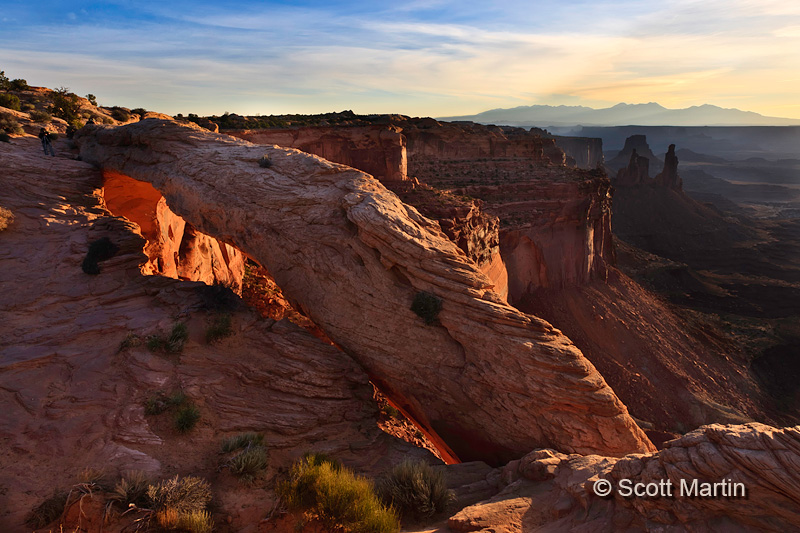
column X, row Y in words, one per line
column 651, row 114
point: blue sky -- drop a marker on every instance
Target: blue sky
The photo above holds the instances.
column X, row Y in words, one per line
column 417, row 57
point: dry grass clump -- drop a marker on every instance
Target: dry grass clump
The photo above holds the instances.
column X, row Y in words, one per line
column 131, row 489
column 249, row 455
column 415, row 489
column 339, row 499
column 6, row 218
column 183, row 495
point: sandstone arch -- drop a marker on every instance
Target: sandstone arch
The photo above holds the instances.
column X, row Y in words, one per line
column 490, row 381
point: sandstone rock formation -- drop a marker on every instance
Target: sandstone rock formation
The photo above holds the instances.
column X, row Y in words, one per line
column 485, row 379
column 72, row 398
column 669, row 176
column 550, row 491
column 174, row 247
column 633, row 143
column 636, row 173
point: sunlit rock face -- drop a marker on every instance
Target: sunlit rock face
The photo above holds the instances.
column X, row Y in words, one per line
column 174, row 248
column 483, row 379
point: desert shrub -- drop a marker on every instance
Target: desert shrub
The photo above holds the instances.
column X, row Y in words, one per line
column 139, row 111
column 243, row 440
column 27, row 107
column 99, row 250
column 41, row 116
column 131, row 340
column 249, row 462
column 10, row 101
column 338, row 498
column 120, row 114
column 186, row 417
column 19, row 84
column 426, row 306
column 92, row 99
column 131, row 489
column 6, row 218
column 172, row 343
column 183, row 495
column 4, row 83
column 4, row 137
column 10, row 125
column 265, row 161
column 219, row 328
column 49, row 510
column 415, row 489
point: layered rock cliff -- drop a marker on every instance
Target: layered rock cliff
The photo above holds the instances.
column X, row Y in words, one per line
column 484, row 380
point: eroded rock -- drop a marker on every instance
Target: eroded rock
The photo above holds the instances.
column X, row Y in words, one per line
column 485, row 379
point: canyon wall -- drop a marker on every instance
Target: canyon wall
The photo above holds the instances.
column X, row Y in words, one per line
column 582, row 152
column 378, row 150
column 554, row 221
column 174, row 248
column 484, row 380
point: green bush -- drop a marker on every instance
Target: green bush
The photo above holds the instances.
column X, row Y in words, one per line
column 99, row 250
column 66, row 105
column 338, row 498
column 41, row 116
column 131, row 489
column 186, row 417
column 10, row 125
column 426, row 306
column 391, row 411
column 19, row 85
column 10, row 101
column 159, row 402
column 415, row 489
column 92, row 99
column 120, row 114
column 219, row 328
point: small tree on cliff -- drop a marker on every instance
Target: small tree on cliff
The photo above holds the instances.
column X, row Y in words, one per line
column 65, row 104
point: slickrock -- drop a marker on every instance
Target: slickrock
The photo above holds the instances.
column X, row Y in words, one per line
column 72, row 398
column 549, row 491
column 485, row 379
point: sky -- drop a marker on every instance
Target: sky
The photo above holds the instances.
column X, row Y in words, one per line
column 417, row 57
